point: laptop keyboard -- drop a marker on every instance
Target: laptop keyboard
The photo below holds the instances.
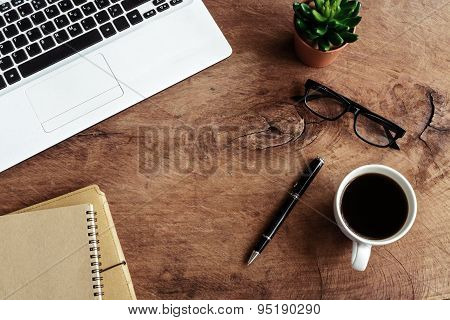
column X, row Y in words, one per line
column 35, row 34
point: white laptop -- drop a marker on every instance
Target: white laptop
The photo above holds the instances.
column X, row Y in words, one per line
column 66, row 65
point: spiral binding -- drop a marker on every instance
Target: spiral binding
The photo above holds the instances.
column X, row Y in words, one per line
column 95, row 256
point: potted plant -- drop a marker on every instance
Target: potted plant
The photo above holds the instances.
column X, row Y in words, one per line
column 323, row 28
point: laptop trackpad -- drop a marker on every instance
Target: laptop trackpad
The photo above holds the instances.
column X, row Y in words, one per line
column 74, row 92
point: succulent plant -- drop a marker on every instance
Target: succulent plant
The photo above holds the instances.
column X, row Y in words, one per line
column 328, row 24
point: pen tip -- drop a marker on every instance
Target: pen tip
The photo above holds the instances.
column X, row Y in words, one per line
column 252, row 258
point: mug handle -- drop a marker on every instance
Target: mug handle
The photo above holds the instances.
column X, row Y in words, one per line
column 360, row 255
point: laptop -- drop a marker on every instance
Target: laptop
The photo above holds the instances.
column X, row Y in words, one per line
column 66, row 65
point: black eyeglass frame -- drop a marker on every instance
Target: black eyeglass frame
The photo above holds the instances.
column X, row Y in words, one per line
column 357, row 110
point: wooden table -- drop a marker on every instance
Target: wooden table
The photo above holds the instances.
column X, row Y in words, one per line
column 194, row 174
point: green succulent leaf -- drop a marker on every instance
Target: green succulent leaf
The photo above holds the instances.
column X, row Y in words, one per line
column 338, row 26
column 357, row 9
column 338, row 9
column 335, row 38
column 306, row 11
column 319, row 5
column 351, row 22
column 348, row 37
column 299, row 11
column 347, row 10
column 300, row 24
column 349, row 4
column 320, row 30
column 324, row 44
column 310, row 35
column 327, row 9
column 317, row 16
column 296, row 6
column 334, row 8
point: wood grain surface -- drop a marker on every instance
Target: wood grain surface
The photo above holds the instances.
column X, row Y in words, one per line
column 194, row 174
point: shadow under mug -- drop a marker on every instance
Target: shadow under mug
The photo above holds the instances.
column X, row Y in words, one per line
column 362, row 246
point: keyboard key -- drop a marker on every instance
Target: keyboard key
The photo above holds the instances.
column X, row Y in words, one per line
column 38, row 4
column 6, row 63
column 134, row 17
column 33, row 49
column 20, row 41
column 10, row 31
column 163, row 7
column 2, row 37
column 25, row 9
column 101, row 17
column 88, row 8
column 51, row 11
column 11, row 16
column 24, row 24
column 61, row 22
column 61, row 36
column 74, row 30
column 102, row 4
column 6, row 47
column 149, row 14
column 12, row 76
column 78, row 2
column 2, row 22
column 34, row 34
column 75, row 15
column 47, row 43
column 175, row 2
column 65, row 5
column 16, row 3
column 5, row 7
column 2, row 83
column 19, row 56
column 115, row 10
column 131, row 4
column 48, row 27
column 158, row 2
column 121, row 24
column 108, row 30
column 88, row 23
column 60, row 53
column 38, row 18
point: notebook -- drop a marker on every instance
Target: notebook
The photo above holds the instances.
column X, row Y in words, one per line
column 117, row 284
column 50, row 254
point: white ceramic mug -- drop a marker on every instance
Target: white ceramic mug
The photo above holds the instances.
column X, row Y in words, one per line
column 362, row 246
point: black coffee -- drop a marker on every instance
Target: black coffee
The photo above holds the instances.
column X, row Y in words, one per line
column 374, row 206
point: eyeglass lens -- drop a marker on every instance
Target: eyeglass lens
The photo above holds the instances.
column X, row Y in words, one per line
column 373, row 132
column 325, row 104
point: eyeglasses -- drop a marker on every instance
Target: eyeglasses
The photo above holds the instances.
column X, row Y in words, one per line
column 369, row 126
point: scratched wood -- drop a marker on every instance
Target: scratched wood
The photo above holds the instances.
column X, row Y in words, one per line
column 194, row 173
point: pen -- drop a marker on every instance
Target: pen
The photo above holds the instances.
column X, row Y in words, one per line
column 297, row 191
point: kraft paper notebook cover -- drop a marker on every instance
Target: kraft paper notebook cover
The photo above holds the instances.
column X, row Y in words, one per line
column 116, row 281
column 50, row 254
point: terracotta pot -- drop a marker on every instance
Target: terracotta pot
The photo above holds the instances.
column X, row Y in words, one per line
column 314, row 57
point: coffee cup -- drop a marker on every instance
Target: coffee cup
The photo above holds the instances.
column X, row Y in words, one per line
column 374, row 205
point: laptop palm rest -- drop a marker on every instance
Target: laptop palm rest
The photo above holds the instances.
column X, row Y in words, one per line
column 74, row 92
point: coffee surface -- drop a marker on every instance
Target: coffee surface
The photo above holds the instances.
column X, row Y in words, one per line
column 374, row 206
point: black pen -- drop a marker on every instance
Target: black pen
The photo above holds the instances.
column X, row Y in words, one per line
column 299, row 188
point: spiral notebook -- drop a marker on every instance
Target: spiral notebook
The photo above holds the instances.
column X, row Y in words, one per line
column 116, row 279
column 50, row 254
